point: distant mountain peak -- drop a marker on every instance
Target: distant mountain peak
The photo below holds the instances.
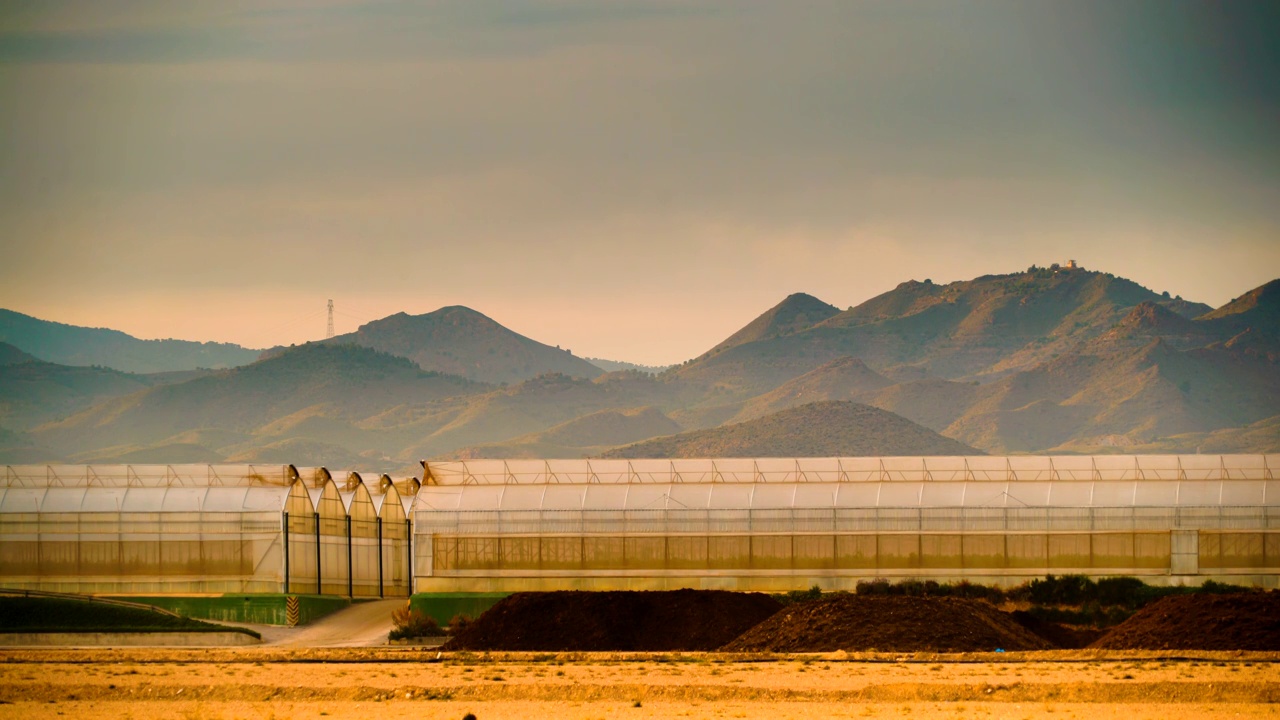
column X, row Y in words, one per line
column 1260, row 307
column 796, row 312
column 1148, row 318
column 458, row 340
column 818, row 429
column 11, row 355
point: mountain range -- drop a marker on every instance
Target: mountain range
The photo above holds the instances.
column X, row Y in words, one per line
column 1057, row 359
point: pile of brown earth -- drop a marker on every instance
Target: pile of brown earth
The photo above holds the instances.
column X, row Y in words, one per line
column 618, row 621
column 1239, row 621
column 889, row 624
column 1060, row 635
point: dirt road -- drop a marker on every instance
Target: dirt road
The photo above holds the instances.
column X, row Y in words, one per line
column 392, row 683
column 364, row 624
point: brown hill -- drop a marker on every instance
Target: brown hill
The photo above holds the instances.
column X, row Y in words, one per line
column 992, row 325
column 795, row 313
column 585, row 436
column 933, row 403
column 345, row 381
column 1064, row 361
column 1262, row 436
column 823, row 429
column 845, row 378
column 1109, row 394
column 1258, row 308
column 85, row 347
column 460, row 341
column 1148, row 321
column 534, row 406
column 36, row 392
column 10, row 355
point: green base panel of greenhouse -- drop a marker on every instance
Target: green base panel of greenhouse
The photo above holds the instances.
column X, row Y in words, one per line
column 258, row 609
column 443, row 607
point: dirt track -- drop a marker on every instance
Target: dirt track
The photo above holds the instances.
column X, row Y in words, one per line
column 363, row 624
column 403, row 683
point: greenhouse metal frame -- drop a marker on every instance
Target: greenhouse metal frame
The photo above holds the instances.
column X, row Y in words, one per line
column 751, row 524
column 785, row 524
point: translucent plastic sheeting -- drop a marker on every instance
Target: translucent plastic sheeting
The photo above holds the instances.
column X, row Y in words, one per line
column 858, row 469
column 873, row 494
column 142, row 499
column 148, row 475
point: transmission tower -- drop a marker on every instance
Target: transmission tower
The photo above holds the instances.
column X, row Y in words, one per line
column 329, row 331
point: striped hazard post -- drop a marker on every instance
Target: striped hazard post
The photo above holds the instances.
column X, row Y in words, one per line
column 291, row 613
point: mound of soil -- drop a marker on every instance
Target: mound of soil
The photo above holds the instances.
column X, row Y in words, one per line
column 620, row 620
column 889, row 624
column 1241, row 621
column 1066, row 637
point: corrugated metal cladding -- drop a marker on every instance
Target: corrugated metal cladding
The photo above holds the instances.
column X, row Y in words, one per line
column 761, row 524
column 784, row 524
column 204, row 529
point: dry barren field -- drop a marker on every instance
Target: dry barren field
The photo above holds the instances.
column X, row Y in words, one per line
column 392, row 683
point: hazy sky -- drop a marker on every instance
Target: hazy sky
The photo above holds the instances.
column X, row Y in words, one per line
column 631, row 180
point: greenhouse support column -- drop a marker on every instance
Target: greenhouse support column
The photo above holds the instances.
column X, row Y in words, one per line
column 408, row 548
column 350, row 594
column 319, row 590
column 286, row 552
column 379, row 526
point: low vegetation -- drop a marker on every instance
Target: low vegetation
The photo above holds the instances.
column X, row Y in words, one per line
column 59, row 615
column 410, row 623
column 1063, row 599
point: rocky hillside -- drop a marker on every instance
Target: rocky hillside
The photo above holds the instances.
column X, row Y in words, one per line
column 795, row 313
column 80, row 346
column 340, row 384
column 586, row 436
column 822, row 429
column 1050, row 360
column 460, row 341
column 986, row 327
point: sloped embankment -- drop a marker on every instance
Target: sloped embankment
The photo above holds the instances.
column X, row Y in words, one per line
column 1238, row 621
column 888, row 624
column 618, row 621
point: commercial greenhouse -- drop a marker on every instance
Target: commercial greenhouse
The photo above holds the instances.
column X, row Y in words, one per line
column 167, row 529
column 749, row 524
column 785, row 524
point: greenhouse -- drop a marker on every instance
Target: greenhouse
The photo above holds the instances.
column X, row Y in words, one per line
column 489, row 526
column 167, row 529
column 787, row 524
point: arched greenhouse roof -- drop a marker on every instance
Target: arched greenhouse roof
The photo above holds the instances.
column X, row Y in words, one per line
column 156, row 476
column 855, row 469
column 1107, row 481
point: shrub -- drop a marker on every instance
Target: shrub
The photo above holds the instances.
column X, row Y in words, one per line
column 1065, row 590
column 458, row 623
column 410, row 623
column 930, row 588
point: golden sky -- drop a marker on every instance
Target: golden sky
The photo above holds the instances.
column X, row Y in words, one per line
column 631, row 180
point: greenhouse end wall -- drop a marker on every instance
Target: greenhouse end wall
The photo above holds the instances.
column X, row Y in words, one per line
column 201, row 529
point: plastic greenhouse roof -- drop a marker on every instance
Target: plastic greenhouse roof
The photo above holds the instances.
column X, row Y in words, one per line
column 769, row 470
column 871, row 494
column 828, row 483
column 143, row 499
column 147, row 475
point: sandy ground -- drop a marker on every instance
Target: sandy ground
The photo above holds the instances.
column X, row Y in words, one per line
column 283, row 682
